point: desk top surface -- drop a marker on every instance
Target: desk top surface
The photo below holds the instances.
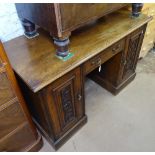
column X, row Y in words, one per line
column 35, row 62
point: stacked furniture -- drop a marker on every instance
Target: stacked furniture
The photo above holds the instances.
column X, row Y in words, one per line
column 61, row 19
column 107, row 51
column 17, row 131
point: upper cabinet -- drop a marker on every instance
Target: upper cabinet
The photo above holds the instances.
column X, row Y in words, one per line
column 61, row 19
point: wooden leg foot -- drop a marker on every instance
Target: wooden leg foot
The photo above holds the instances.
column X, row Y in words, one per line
column 61, row 46
column 29, row 28
column 136, row 9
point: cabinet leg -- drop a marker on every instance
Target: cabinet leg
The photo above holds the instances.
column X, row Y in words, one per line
column 29, row 28
column 136, row 9
column 62, row 49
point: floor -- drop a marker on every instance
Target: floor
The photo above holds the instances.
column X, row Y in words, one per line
column 125, row 122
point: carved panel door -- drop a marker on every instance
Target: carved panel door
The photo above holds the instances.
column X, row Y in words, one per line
column 130, row 57
column 65, row 101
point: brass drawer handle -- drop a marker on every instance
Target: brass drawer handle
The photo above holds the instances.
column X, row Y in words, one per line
column 99, row 61
column 93, row 62
column 115, row 49
column 96, row 62
column 79, row 97
column 124, row 63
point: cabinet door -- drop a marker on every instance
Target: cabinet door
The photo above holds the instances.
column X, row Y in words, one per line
column 130, row 57
column 65, row 101
column 13, row 112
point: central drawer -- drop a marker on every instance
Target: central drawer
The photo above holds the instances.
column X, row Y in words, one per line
column 102, row 57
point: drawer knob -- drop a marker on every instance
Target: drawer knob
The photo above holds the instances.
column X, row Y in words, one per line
column 79, row 97
column 96, row 62
column 99, row 61
column 115, row 49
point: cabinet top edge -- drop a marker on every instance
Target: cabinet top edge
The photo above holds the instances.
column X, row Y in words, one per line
column 35, row 61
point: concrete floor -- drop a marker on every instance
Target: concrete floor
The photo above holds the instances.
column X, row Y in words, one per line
column 125, row 122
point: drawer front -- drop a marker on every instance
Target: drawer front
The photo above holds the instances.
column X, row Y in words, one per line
column 6, row 92
column 75, row 15
column 15, row 142
column 96, row 61
column 10, row 118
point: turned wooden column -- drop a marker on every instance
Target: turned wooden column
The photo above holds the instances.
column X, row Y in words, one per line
column 29, row 27
column 136, row 9
column 62, row 48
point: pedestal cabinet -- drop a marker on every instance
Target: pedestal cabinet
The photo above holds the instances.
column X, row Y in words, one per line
column 59, row 107
column 17, row 132
column 65, row 101
column 117, row 72
column 54, row 89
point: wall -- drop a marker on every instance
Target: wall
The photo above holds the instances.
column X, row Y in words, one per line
column 10, row 26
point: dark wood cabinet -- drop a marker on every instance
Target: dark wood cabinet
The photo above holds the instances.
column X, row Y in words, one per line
column 65, row 100
column 117, row 72
column 61, row 19
column 54, row 89
column 17, row 132
column 65, row 96
column 61, row 106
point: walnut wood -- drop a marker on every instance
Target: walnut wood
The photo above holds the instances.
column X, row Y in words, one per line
column 120, row 70
column 61, row 19
column 62, row 48
column 58, row 110
column 54, row 90
column 17, row 130
column 38, row 64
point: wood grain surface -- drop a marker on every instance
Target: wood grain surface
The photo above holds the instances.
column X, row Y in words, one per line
column 35, row 61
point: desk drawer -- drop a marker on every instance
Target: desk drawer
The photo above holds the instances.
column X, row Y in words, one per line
column 102, row 57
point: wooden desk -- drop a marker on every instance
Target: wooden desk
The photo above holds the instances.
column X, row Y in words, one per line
column 55, row 89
